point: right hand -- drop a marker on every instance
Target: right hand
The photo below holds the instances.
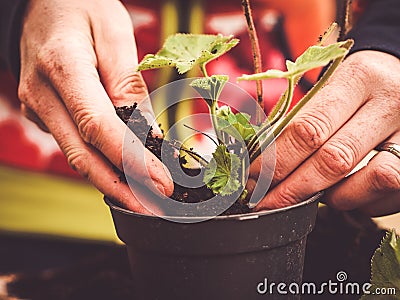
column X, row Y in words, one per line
column 78, row 60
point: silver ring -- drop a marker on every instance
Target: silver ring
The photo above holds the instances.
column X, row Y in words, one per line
column 389, row 147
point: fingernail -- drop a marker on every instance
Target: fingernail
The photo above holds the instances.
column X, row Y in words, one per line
column 160, row 188
column 155, row 186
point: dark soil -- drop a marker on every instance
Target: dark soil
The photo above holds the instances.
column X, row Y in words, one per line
column 133, row 118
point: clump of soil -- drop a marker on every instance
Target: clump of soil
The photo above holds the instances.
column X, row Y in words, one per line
column 137, row 123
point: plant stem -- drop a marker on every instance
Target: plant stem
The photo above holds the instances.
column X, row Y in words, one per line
column 255, row 141
column 283, row 108
column 277, row 108
column 203, row 133
column 275, row 114
column 327, row 34
column 204, row 70
column 286, row 104
column 344, row 10
column 213, row 108
column 225, row 138
column 321, row 82
column 243, row 175
column 214, row 120
column 255, row 47
column 197, row 157
column 279, row 111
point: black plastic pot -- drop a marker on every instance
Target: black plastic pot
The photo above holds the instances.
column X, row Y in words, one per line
column 228, row 257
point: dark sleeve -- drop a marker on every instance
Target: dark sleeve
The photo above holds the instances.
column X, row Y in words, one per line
column 11, row 12
column 378, row 28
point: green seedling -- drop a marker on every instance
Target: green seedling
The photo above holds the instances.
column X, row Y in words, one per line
column 238, row 141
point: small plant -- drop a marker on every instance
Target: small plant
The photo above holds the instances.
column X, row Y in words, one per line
column 238, row 142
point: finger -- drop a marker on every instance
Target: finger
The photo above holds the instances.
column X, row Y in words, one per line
column 337, row 157
column 32, row 116
column 250, row 185
column 116, row 53
column 372, row 186
column 81, row 156
column 257, row 186
column 75, row 78
column 320, row 118
column 387, row 205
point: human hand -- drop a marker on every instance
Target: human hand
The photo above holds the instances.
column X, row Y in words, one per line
column 78, row 60
column 357, row 110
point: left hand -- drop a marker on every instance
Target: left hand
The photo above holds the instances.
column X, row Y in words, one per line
column 357, row 110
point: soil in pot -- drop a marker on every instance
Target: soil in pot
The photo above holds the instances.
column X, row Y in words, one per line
column 138, row 124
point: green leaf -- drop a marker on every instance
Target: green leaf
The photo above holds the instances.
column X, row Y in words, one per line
column 236, row 125
column 313, row 57
column 184, row 51
column 221, row 174
column 210, row 88
column 385, row 267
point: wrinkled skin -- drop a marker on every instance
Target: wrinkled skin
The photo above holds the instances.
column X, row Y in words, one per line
column 78, row 59
column 357, row 110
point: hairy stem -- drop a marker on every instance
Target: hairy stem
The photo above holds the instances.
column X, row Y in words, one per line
column 255, row 47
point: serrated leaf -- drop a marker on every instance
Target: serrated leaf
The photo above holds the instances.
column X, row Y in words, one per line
column 184, row 51
column 236, row 125
column 313, row 57
column 385, row 267
column 221, row 174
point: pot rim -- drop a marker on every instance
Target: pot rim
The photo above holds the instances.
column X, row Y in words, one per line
column 240, row 217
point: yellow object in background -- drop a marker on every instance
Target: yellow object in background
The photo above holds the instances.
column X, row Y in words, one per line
column 40, row 204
